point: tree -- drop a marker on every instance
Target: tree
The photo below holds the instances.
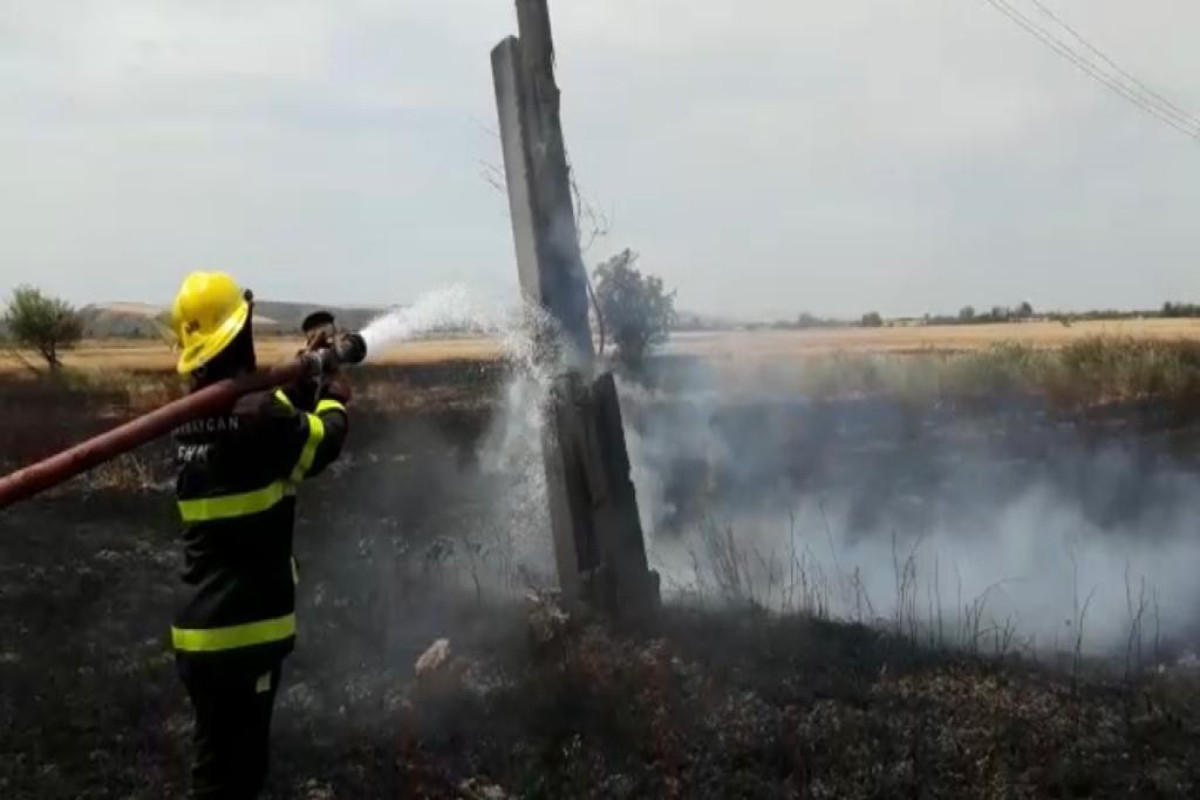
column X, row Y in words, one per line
column 872, row 320
column 637, row 311
column 807, row 321
column 45, row 324
column 1180, row 310
column 1024, row 311
column 967, row 314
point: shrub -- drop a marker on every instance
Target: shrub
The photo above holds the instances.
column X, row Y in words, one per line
column 637, row 311
column 45, row 324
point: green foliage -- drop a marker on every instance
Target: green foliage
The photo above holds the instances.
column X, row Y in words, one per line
column 967, row 315
column 1180, row 310
column 1025, row 312
column 807, row 321
column 45, row 324
column 637, row 311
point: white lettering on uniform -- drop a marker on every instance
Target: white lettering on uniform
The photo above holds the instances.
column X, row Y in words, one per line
column 211, row 425
column 193, row 453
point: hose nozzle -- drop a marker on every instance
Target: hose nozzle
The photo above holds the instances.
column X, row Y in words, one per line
column 350, row 348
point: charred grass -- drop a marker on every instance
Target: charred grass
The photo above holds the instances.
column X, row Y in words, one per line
column 533, row 702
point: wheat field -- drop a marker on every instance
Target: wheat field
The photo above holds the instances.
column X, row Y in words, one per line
column 721, row 345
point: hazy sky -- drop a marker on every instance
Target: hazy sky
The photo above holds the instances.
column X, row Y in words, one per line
column 765, row 156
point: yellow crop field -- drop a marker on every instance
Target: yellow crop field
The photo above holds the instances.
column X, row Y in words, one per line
column 900, row 339
column 719, row 345
column 128, row 355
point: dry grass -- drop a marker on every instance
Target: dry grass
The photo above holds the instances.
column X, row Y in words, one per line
column 957, row 338
column 1081, row 372
column 1078, row 374
column 140, row 356
column 718, row 346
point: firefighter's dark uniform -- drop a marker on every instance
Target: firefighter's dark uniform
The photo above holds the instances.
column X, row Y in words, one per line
column 236, row 490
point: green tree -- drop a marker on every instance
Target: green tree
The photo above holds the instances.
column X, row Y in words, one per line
column 636, row 310
column 46, row 324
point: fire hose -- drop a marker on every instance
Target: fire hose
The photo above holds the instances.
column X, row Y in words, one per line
column 349, row 348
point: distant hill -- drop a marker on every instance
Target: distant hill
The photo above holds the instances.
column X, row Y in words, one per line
column 121, row 320
column 144, row 321
column 289, row 316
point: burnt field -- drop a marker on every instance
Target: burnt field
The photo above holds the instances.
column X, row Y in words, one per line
column 830, row 560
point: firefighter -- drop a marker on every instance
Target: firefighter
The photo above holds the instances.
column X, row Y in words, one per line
column 320, row 331
column 238, row 476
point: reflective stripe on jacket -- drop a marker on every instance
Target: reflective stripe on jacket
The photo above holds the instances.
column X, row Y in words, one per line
column 236, row 489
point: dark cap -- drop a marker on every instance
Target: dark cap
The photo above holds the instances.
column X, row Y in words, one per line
column 317, row 319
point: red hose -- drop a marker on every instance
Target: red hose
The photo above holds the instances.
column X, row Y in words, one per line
column 36, row 478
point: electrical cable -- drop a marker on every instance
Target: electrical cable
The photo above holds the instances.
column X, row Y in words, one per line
column 1090, row 69
column 1166, row 104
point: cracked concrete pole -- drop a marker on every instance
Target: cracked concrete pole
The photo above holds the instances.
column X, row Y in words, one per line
column 598, row 543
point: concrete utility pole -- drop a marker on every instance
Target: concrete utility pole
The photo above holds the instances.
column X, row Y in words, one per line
column 598, row 542
column 539, row 182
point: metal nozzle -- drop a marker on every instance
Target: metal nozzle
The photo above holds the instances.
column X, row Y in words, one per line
column 350, row 348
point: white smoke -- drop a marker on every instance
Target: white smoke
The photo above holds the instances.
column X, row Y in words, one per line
column 1019, row 548
column 1028, row 557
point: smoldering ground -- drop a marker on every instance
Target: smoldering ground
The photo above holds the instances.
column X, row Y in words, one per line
column 973, row 526
column 1005, row 522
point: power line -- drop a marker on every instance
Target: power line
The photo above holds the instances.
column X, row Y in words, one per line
column 1090, row 69
column 1182, row 114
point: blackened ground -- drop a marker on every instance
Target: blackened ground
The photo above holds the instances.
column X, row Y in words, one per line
column 703, row 704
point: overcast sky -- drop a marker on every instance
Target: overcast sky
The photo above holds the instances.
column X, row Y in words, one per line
column 766, row 157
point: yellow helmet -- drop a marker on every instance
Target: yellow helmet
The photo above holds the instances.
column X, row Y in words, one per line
column 209, row 312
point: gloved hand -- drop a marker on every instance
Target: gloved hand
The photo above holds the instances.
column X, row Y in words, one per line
column 317, row 339
column 320, row 338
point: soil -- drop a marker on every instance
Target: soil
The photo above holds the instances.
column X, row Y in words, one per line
column 701, row 704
